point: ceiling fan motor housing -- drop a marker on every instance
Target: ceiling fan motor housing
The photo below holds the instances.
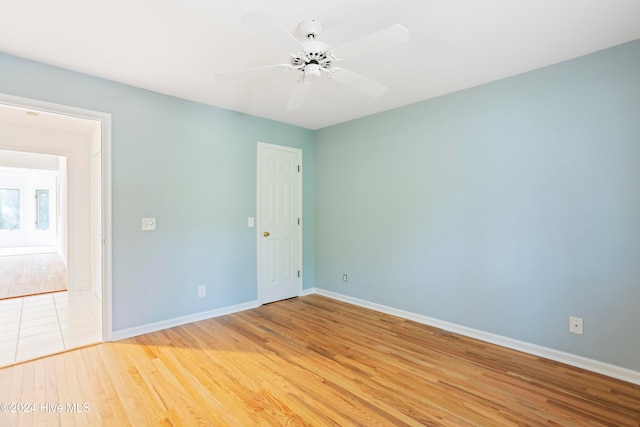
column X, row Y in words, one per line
column 313, row 60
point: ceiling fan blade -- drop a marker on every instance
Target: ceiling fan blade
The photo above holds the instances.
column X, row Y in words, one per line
column 253, row 72
column 387, row 37
column 298, row 94
column 272, row 31
column 358, row 82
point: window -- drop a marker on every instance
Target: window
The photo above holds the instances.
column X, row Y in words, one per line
column 9, row 209
column 42, row 209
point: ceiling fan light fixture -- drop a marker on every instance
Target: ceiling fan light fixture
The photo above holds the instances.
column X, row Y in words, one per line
column 312, row 71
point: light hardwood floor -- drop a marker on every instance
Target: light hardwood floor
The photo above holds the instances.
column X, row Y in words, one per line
column 31, row 274
column 311, row 361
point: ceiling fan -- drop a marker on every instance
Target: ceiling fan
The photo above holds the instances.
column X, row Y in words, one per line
column 311, row 57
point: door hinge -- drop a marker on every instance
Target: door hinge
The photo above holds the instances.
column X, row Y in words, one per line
column 298, row 221
column 298, row 168
column 298, row 273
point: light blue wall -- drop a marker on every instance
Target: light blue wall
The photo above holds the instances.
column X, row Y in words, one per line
column 506, row 208
column 191, row 166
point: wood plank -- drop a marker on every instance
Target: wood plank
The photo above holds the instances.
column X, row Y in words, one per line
column 22, row 275
column 315, row 361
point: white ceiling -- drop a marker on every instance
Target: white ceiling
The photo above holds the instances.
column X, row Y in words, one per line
column 176, row 46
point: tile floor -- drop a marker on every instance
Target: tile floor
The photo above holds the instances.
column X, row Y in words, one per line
column 40, row 325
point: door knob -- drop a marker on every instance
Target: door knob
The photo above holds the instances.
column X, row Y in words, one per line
column 266, row 234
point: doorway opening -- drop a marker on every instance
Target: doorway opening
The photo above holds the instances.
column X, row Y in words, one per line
column 56, row 206
column 32, row 253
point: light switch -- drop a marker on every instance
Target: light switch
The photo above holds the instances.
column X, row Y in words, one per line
column 148, row 224
column 251, row 222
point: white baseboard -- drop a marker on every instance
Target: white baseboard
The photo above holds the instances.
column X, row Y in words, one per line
column 308, row 291
column 536, row 350
column 183, row 320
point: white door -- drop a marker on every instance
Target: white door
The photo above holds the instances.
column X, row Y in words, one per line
column 279, row 222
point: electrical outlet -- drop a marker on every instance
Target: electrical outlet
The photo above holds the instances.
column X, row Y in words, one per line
column 202, row 291
column 344, row 277
column 575, row 325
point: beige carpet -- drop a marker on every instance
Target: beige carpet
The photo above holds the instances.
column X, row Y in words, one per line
column 22, row 275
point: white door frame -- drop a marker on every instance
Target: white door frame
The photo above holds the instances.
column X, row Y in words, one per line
column 105, row 119
column 259, row 230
